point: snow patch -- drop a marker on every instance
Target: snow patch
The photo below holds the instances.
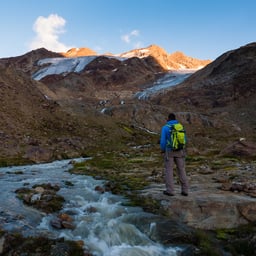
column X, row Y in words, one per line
column 61, row 66
column 64, row 65
column 168, row 80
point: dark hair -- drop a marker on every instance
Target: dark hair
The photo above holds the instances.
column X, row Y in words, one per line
column 171, row 116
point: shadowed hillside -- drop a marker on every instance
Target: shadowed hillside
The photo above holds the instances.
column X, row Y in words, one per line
column 62, row 114
column 34, row 128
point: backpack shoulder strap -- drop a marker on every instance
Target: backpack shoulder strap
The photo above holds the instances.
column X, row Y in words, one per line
column 178, row 127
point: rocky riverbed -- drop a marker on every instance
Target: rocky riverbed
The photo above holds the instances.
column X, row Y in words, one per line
column 220, row 207
column 217, row 217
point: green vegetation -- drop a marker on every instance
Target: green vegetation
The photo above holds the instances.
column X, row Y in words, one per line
column 122, row 169
column 18, row 245
column 241, row 241
column 236, row 241
column 17, row 161
column 126, row 165
column 206, row 244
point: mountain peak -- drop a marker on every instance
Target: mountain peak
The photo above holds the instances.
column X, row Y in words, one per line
column 154, row 47
column 176, row 60
column 186, row 61
column 78, row 52
column 152, row 50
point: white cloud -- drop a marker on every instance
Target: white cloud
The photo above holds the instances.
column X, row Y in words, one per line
column 135, row 33
column 127, row 38
column 47, row 31
column 138, row 45
column 132, row 39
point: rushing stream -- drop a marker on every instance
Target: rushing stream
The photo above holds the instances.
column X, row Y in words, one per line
column 111, row 229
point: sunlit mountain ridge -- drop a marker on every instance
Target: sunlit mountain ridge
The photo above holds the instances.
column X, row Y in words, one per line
column 173, row 61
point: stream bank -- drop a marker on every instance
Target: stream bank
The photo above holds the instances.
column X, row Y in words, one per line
column 91, row 219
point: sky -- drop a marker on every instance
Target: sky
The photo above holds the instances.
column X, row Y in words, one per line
column 202, row 29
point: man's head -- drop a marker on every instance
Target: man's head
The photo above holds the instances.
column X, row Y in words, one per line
column 171, row 116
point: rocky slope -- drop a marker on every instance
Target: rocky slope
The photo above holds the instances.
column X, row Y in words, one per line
column 26, row 117
column 27, row 62
column 36, row 129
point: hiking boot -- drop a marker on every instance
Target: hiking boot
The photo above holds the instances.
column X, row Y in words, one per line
column 167, row 193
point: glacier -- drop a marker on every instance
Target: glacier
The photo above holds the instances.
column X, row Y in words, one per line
column 61, row 66
column 51, row 66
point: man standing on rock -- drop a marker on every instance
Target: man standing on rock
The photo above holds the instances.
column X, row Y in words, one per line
column 172, row 156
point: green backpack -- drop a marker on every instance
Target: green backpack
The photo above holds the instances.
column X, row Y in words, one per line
column 178, row 137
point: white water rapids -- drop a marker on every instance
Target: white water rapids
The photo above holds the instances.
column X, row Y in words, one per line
column 111, row 229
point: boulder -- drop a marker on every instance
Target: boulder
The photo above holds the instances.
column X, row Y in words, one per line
column 216, row 200
column 240, row 148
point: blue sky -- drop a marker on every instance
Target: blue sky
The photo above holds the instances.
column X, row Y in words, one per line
column 202, row 29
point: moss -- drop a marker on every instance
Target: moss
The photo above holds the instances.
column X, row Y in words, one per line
column 117, row 168
column 241, row 240
column 228, row 168
column 192, row 158
column 136, row 160
column 207, row 246
column 127, row 129
column 41, row 246
column 17, row 161
column 126, row 170
column 2, row 232
column 148, row 204
column 221, row 234
column 53, row 205
column 241, row 247
column 236, row 241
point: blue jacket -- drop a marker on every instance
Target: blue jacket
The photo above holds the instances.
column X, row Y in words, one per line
column 166, row 136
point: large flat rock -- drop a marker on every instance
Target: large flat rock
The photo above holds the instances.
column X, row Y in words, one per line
column 207, row 206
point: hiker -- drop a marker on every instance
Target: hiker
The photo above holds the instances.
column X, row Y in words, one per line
column 172, row 156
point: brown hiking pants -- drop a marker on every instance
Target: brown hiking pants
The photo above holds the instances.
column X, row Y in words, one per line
column 177, row 157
